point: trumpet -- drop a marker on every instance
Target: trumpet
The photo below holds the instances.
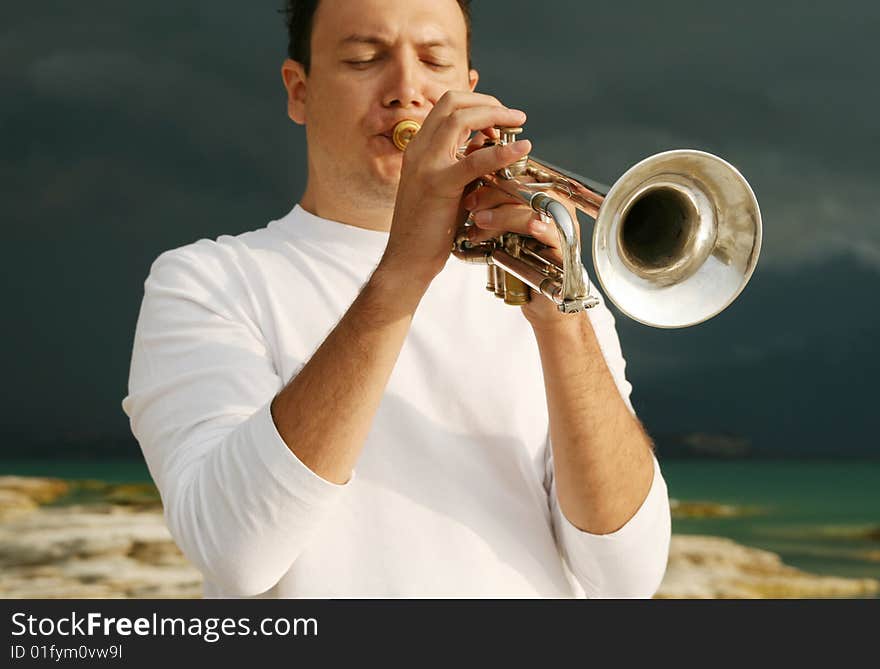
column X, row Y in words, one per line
column 675, row 239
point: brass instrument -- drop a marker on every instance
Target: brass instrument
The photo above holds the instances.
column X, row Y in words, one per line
column 675, row 239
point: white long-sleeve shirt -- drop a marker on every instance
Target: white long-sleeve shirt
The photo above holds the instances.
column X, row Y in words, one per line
column 453, row 494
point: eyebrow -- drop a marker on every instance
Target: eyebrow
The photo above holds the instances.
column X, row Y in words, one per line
column 382, row 41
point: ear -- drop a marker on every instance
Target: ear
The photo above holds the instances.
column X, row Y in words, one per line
column 473, row 78
column 294, row 76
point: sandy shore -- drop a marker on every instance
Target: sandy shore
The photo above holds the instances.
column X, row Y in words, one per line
column 116, row 545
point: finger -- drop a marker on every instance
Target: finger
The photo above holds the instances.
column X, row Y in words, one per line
column 506, row 218
column 487, row 197
column 486, row 161
column 478, row 235
column 478, row 140
column 452, row 100
column 470, row 119
column 519, row 219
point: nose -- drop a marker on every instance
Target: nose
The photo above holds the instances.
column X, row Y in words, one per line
column 405, row 87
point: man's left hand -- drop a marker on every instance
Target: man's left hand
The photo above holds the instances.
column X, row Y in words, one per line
column 493, row 212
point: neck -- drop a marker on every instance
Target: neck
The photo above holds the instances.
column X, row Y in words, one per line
column 346, row 205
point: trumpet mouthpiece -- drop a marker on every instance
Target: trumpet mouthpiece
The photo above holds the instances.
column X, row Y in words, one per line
column 404, row 132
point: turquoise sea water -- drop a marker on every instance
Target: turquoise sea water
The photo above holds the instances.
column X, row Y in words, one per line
column 815, row 514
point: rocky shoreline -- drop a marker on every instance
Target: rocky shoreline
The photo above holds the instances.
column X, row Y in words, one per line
column 111, row 541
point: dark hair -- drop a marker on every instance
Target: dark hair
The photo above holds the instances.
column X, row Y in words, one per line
column 301, row 13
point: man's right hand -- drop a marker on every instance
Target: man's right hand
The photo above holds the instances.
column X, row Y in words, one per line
column 428, row 210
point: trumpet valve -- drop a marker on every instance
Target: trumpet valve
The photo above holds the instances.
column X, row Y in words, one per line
column 490, row 278
column 508, row 136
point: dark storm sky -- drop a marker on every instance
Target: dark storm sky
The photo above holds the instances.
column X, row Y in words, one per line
column 130, row 128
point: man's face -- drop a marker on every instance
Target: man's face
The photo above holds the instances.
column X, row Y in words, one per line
column 374, row 63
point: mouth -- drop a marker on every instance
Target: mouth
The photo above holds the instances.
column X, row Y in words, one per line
column 386, row 140
column 388, row 133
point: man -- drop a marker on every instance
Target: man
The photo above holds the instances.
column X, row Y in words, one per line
column 330, row 409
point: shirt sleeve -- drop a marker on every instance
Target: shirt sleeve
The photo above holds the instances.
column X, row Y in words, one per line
column 627, row 563
column 238, row 502
column 630, row 562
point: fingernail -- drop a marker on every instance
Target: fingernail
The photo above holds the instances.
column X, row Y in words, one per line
column 521, row 146
column 483, row 217
column 470, row 201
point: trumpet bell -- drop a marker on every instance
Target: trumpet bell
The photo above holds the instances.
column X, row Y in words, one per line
column 677, row 238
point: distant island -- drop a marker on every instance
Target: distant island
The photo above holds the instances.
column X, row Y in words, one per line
column 703, row 445
column 676, row 445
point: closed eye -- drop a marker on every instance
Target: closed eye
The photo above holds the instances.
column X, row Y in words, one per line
column 361, row 64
